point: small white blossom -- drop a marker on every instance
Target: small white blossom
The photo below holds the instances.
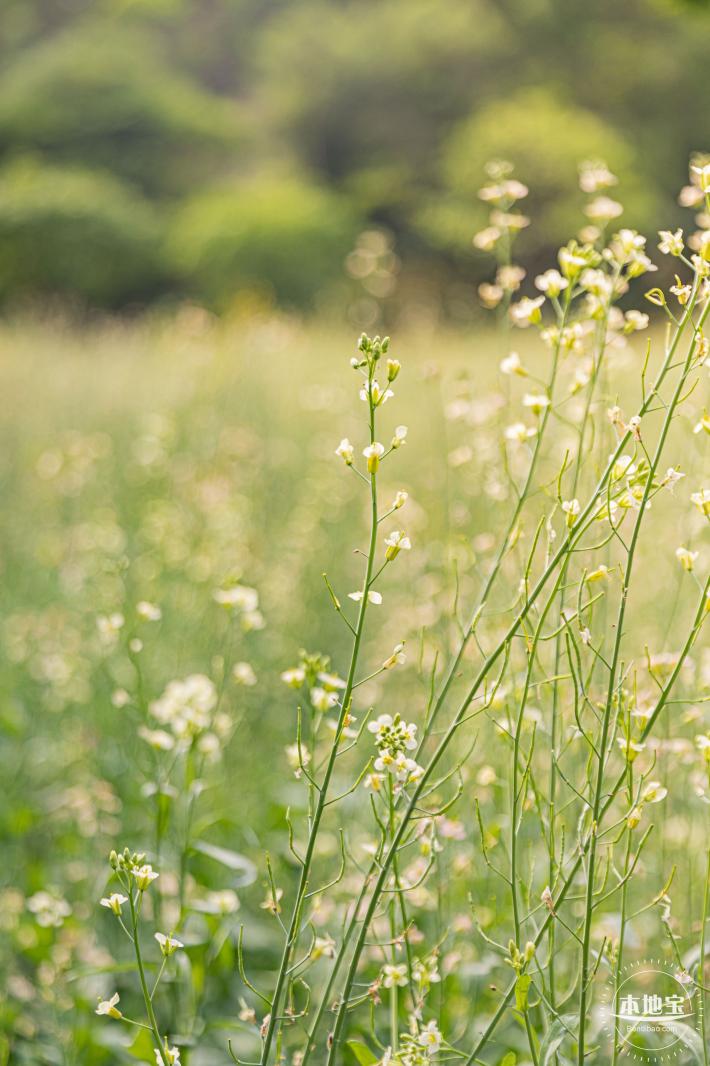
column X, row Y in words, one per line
column 168, row 944
column 400, row 437
column 396, row 542
column 373, row 453
column 372, row 596
column 686, row 558
column 345, row 451
column 108, row 1006
column 114, row 902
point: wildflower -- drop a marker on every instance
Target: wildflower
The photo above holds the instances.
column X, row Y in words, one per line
column 157, row 738
column 372, row 596
column 400, row 500
column 393, row 733
column 323, row 946
column 702, row 501
column 490, row 295
column 635, row 321
column 527, row 312
column 108, row 1006
column 109, row 627
column 703, row 424
column 671, row 243
column 396, row 542
column 345, row 451
column 172, row 1054
column 571, row 509
column 168, row 944
column 603, row 209
column 246, row 1013
column 486, row 239
column 430, row 1038
column 633, row 817
column 537, row 403
column 510, row 277
column 400, row 437
column 149, row 612
column 425, row 972
column 594, row 175
column 144, row 875
column 681, row 292
column 512, row 365
column 49, row 911
column 630, row 748
column 546, row 898
column 186, row 705
column 518, row 432
column 239, row 597
column 702, row 174
column 654, row 792
column 394, row 976
column 294, row 677
column 243, row 674
column 374, row 782
column 114, row 902
column 551, row 283
column 686, row 558
column 601, row 571
column 396, row 658
column 673, row 476
column 322, row 700
column 221, row 901
column 272, row 902
column 371, row 391
column 393, row 368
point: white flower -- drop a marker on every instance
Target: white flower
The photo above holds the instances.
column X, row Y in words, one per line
column 294, row 677
column 671, row 243
column 373, row 453
column 571, row 509
column 400, row 437
column 109, row 627
column 394, row 976
column 108, row 1006
column 400, row 500
column 512, row 365
column 172, row 1054
column 323, row 700
column 702, row 501
column 486, row 239
column 243, row 674
column 149, row 612
column 239, row 597
column 144, row 875
column 595, row 175
column 703, row 424
column 527, row 312
column 551, row 283
column 654, row 792
column 378, row 395
column 686, row 558
column 519, row 432
column 49, row 911
column 168, row 944
column 114, row 902
column 430, row 1038
column 372, row 596
column 603, row 209
column 186, row 706
column 396, row 658
column 536, row 402
column 396, row 542
column 346, row 451
column 703, row 176
column 634, row 321
column 673, row 476
column 158, row 739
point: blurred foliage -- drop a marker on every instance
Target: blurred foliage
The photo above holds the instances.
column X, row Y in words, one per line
column 392, row 104
column 283, row 234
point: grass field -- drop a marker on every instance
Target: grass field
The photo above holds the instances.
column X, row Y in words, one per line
column 163, row 459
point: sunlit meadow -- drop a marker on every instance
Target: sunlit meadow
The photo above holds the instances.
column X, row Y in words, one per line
column 355, row 690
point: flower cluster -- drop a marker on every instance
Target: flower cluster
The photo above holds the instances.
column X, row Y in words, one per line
column 393, row 739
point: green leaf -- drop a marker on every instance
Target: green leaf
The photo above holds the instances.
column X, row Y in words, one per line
column 231, row 859
column 509, row 1059
column 362, row 1053
column 554, row 1037
column 522, row 987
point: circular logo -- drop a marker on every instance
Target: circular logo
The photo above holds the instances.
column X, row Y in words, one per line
column 653, row 1015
